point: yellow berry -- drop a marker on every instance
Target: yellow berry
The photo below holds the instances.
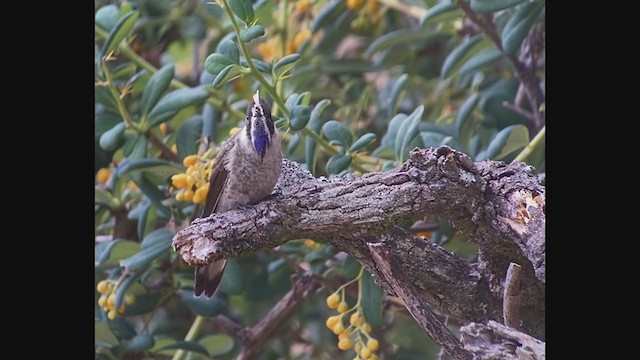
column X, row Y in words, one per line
column 353, row 320
column 309, row 243
column 342, row 307
column 103, row 175
column 121, row 309
column 365, row 328
column 102, row 301
column 180, row 195
column 102, row 287
column 130, row 299
column 373, row 344
column 333, row 301
column 332, row 321
column 358, row 347
column 302, row 5
column 179, row 181
column 354, row 4
column 190, row 160
column 365, row 353
column 112, row 314
column 345, row 344
column 373, row 357
column 111, row 300
column 343, row 335
column 188, row 195
column 191, row 180
column 372, row 6
column 164, row 128
column 338, row 328
column 201, row 194
column 174, row 149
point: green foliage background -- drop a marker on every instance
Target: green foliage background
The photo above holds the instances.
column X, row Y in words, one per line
column 352, row 91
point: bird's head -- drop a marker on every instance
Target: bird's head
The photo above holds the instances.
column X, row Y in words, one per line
column 259, row 126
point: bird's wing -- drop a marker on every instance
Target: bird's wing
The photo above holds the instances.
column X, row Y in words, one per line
column 218, row 179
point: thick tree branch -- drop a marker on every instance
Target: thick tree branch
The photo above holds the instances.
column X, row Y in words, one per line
column 496, row 341
column 498, row 206
column 416, row 306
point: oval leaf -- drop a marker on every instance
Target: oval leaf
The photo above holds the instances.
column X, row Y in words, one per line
column 103, row 122
column 188, row 135
column 217, row 345
column 243, row 10
column 371, row 300
column 334, row 130
column 327, row 13
column 363, row 141
column 443, row 11
column 518, row 139
column 397, row 37
column 487, row 6
column 299, row 117
column 519, row 25
column 185, row 345
column 110, row 138
column 227, row 47
column 174, row 102
column 215, row 63
column 479, row 60
column 398, row 88
column 314, row 125
column 337, row 163
column 123, row 287
column 158, row 237
column 145, row 256
column 107, row 17
column 232, row 282
column 457, row 56
column 157, row 166
column 252, row 33
column 262, row 66
column 202, row 305
column 408, row 130
column 227, row 74
column 497, row 143
column 119, row 32
column 285, row 64
column 156, row 86
column 465, row 110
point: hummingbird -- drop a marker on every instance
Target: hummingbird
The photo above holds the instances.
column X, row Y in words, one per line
column 245, row 171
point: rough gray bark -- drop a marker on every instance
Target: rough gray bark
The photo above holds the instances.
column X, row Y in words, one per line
column 498, row 206
column 496, row 341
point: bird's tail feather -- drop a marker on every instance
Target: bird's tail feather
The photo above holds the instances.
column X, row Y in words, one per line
column 208, row 278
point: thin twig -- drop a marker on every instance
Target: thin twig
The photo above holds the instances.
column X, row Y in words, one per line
column 518, row 110
column 164, row 150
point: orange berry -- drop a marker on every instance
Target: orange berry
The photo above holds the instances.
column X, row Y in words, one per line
column 365, row 353
column 332, row 321
column 345, row 344
column 112, row 314
column 190, row 160
column 373, row 344
column 342, row 307
column 188, row 195
column 333, row 301
column 201, row 194
column 179, row 181
column 102, row 286
column 103, row 175
column 338, row 328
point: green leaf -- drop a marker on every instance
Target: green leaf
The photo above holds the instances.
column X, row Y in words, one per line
column 215, row 63
column 156, row 249
column 153, row 165
column 147, row 218
column 156, row 86
column 459, row 55
column 175, row 101
column 227, row 74
column 117, row 250
column 519, row 25
column 252, row 33
column 443, row 11
column 408, row 130
column 103, row 335
column 389, row 139
column 479, row 60
column 103, row 122
column 488, row 6
column 398, row 37
column 262, row 66
column 103, row 96
column 396, row 92
column 371, row 300
column 122, row 328
column 110, row 138
column 103, row 197
column 144, row 304
column 314, row 125
column 227, row 47
column 119, row 32
column 107, row 17
column 327, row 14
column 363, row 141
column 243, row 9
column 499, row 141
column 203, row 306
column 465, row 111
column 335, row 130
column 158, row 237
column 517, row 140
column 299, row 117
column 185, row 345
column 188, row 135
column 123, row 287
column 217, row 345
column 285, row 64
column 351, row 267
column 337, row 163
column 135, row 147
column 233, row 279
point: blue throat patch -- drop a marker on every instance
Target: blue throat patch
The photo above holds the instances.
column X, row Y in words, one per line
column 260, row 142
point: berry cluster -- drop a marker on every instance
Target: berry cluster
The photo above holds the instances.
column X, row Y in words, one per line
column 108, row 299
column 193, row 184
column 357, row 334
